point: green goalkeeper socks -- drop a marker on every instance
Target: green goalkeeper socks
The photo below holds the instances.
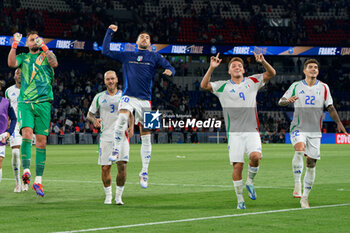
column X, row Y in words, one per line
column 40, row 161
column 26, row 152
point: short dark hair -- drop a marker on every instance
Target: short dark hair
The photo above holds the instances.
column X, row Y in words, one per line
column 308, row 61
column 32, row 33
column 144, row 32
column 235, row 59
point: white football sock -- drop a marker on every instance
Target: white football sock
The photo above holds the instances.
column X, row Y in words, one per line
column 38, row 179
column 309, row 180
column 119, row 132
column 0, row 174
column 251, row 174
column 238, row 185
column 108, row 190
column 146, row 150
column 16, row 165
column 119, row 191
column 298, row 166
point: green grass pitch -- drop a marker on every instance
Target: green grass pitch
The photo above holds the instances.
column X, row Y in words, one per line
column 186, row 182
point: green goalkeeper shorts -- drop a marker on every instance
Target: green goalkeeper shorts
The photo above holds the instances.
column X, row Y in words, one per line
column 36, row 116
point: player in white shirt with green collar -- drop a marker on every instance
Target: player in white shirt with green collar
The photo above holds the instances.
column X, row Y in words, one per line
column 310, row 96
column 12, row 94
column 238, row 100
column 106, row 103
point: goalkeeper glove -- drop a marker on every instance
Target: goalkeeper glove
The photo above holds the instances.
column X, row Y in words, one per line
column 40, row 43
column 16, row 39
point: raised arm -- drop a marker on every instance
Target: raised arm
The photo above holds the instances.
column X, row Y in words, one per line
column 11, row 60
column 334, row 114
column 214, row 63
column 51, row 58
column 270, row 71
column 106, row 45
column 107, row 40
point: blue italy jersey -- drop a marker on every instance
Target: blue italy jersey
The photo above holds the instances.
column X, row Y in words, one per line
column 139, row 68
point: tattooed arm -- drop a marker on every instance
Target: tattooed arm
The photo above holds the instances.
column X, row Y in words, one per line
column 95, row 121
column 333, row 113
column 51, row 59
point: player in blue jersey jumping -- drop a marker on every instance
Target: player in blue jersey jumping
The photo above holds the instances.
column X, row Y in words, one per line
column 139, row 69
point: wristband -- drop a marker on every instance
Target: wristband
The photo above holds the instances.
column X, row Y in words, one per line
column 44, row 48
column 14, row 45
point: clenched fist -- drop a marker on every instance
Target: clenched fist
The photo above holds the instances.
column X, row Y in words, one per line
column 113, row 27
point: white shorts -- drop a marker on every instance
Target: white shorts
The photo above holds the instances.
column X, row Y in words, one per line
column 16, row 138
column 135, row 104
column 2, row 151
column 243, row 143
column 312, row 143
column 106, row 148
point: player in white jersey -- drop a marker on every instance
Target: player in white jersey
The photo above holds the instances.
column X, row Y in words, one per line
column 309, row 96
column 12, row 94
column 238, row 100
column 107, row 104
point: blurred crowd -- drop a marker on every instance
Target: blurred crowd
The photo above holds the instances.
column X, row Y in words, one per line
column 167, row 26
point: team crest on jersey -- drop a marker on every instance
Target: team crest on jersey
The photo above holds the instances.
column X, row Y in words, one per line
column 139, row 58
column 302, row 92
column 318, row 93
column 247, row 86
column 40, row 58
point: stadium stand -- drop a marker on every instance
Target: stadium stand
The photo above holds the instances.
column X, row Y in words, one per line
column 184, row 21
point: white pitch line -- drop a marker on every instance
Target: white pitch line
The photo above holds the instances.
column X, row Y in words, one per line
column 164, row 184
column 202, row 218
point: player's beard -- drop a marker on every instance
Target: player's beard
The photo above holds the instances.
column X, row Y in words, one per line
column 143, row 47
column 112, row 88
column 34, row 49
